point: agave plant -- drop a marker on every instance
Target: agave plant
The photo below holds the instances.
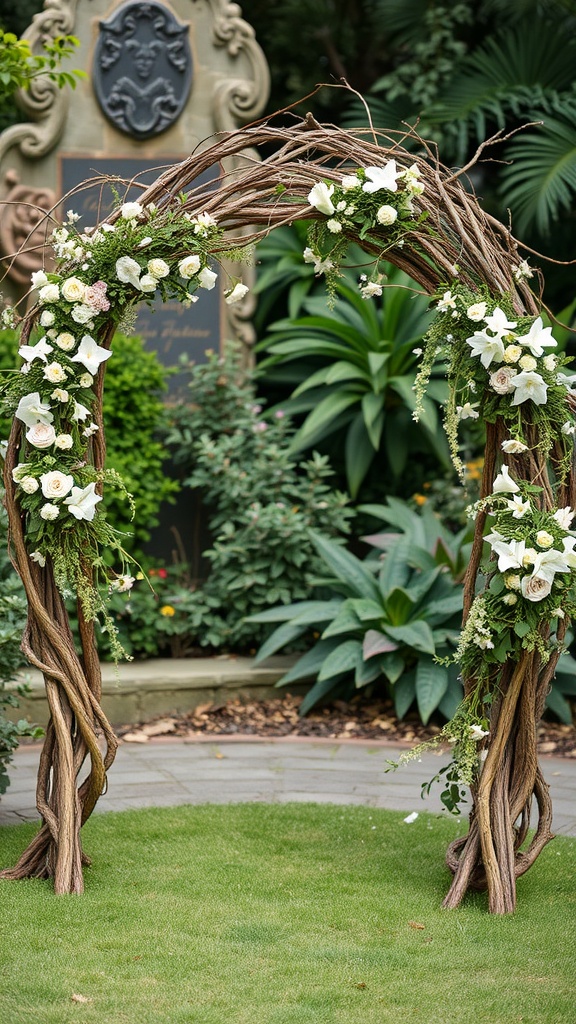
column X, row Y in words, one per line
column 354, row 366
column 386, row 624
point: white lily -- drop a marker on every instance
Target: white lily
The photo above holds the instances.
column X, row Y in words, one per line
column 538, row 338
column 32, row 410
column 90, row 354
column 518, row 507
column 489, row 349
column 504, row 484
column 82, row 502
column 320, row 197
column 499, row 323
column 381, row 177
column 38, row 351
column 510, row 554
column 529, row 386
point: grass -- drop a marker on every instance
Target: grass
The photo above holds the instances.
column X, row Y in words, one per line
column 295, row 914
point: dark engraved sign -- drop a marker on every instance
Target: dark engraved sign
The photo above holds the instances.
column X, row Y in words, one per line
column 168, row 328
column 142, row 69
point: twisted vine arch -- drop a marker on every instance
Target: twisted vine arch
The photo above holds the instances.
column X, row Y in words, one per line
column 448, row 238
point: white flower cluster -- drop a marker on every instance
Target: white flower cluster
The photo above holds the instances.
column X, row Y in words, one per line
column 345, row 205
column 529, row 565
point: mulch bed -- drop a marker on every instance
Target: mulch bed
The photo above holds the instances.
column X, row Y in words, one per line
column 341, row 720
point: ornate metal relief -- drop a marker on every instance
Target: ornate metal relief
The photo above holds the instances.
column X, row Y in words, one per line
column 142, row 69
column 23, row 227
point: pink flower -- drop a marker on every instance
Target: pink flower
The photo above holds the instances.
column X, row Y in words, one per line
column 95, row 297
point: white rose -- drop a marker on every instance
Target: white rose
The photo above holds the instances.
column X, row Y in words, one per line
column 544, row 539
column 49, row 512
column 386, row 215
column 86, row 380
column 477, row 311
column 158, row 268
column 38, row 279
column 65, row 341
column 49, row 293
column 334, row 226
column 501, row 380
column 207, row 279
column 64, row 441
column 47, row 318
column 60, row 395
column 41, row 435
column 128, row 271
column 512, row 353
column 55, row 373
column 82, row 314
column 189, row 266
column 29, row 484
column 550, row 363
column 528, row 363
column 535, row 589
column 56, row 484
column 237, row 294
column 130, row 211
column 148, row 283
column 73, row 289
column 350, row 181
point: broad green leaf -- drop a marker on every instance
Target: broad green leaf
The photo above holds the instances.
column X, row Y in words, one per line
column 392, row 665
column 399, row 606
column 318, row 692
column 366, row 673
column 285, row 634
column 376, row 643
column 346, row 566
column 309, row 664
column 359, row 454
column 343, row 658
column 436, row 611
column 326, row 410
column 320, row 611
column 372, row 410
column 395, row 571
column 431, row 685
column 346, row 621
column 454, row 694
column 404, row 693
column 417, row 635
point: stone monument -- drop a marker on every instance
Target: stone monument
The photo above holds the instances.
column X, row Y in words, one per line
column 161, row 79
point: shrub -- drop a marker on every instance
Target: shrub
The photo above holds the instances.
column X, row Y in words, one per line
column 260, row 503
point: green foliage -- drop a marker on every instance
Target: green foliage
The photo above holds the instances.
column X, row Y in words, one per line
column 355, row 368
column 261, row 503
column 19, row 68
column 385, row 624
column 134, row 415
column 12, row 621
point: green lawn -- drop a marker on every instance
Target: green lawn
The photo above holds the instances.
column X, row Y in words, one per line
column 268, row 914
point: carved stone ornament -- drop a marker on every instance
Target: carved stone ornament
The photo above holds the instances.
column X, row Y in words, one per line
column 23, row 228
column 142, row 69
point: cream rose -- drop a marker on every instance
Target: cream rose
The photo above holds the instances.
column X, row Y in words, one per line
column 544, row 539
column 148, row 283
column 534, row 588
column 82, row 314
column 29, row 484
column 55, row 373
column 64, row 441
column 56, row 484
column 73, row 289
column 386, row 215
column 49, row 293
column 189, row 266
column 158, row 268
column 47, row 318
column 130, row 211
column 65, row 341
column 49, row 512
column 41, row 435
column 501, row 380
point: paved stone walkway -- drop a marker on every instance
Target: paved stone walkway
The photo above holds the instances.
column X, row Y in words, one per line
column 167, row 772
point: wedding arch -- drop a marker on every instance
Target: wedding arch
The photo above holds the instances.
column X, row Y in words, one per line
column 399, row 204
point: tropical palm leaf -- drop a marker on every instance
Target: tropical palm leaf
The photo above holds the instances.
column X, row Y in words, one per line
column 540, row 182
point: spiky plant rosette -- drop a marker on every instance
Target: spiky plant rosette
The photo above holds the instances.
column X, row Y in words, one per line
column 99, row 276
column 500, row 365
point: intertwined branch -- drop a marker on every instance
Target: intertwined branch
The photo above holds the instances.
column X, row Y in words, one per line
column 455, row 240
